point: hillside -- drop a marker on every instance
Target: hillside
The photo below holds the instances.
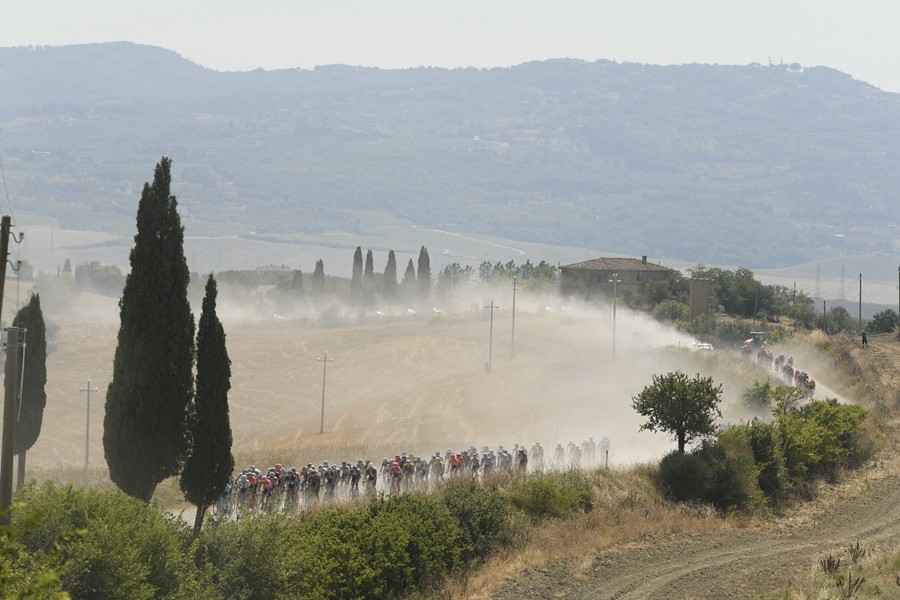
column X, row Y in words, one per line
column 745, row 165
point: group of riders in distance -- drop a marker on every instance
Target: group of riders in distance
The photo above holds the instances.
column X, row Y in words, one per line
column 783, row 366
column 289, row 489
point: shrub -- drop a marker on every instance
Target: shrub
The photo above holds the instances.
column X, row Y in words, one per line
column 884, row 322
column 552, row 494
column 763, row 440
column 758, row 397
column 684, row 477
column 821, row 438
column 128, row 549
column 483, row 515
column 729, row 459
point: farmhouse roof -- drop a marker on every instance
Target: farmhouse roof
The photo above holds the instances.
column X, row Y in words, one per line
column 617, row 264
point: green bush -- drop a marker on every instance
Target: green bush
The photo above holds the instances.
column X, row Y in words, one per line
column 552, row 494
column 483, row 514
column 381, row 550
column 821, row 438
column 684, row 477
column 729, row 459
column 27, row 575
column 763, row 440
column 670, row 310
column 128, row 549
column 758, row 397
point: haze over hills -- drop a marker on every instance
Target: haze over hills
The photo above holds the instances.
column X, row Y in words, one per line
column 758, row 166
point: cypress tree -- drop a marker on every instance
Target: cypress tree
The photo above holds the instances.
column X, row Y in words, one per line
column 297, row 284
column 147, row 401
column 210, row 463
column 30, row 415
column 389, row 280
column 356, row 277
column 318, row 279
column 408, row 285
column 423, row 279
column 369, row 279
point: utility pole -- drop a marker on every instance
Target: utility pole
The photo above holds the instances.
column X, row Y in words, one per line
column 860, row 301
column 87, row 427
column 324, row 360
column 11, row 383
column 6, row 447
column 490, row 362
column 512, row 346
column 614, row 281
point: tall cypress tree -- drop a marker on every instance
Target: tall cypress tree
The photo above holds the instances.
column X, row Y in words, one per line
column 30, row 416
column 423, row 279
column 318, row 279
column 356, row 277
column 389, row 280
column 369, row 279
column 408, row 285
column 297, row 284
column 147, row 401
column 210, row 462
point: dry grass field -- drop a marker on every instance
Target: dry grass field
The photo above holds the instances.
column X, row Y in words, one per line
column 413, row 382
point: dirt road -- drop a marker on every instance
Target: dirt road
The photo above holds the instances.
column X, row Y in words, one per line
column 724, row 564
column 739, row 563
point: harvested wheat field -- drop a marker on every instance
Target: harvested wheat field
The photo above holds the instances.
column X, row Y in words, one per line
column 408, row 381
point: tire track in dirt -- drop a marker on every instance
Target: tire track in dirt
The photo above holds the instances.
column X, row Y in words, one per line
column 724, row 564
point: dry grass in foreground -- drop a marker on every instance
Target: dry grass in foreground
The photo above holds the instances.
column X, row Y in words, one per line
column 627, row 506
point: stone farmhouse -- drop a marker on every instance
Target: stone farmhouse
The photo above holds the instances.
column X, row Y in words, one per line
column 593, row 278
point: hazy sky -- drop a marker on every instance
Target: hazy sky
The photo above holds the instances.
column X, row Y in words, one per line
column 858, row 37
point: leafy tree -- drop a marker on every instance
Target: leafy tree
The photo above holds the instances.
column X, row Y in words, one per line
column 147, row 401
column 57, row 293
column 884, row 322
column 356, row 277
column 318, row 279
column 34, row 379
column 758, row 397
column 423, row 277
column 685, row 408
column 453, row 276
column 389, row 280
column 103, row 279
column 210, row 462
column 837, row 319
column 786, row 399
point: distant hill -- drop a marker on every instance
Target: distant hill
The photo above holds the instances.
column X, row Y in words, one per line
column 745, row 165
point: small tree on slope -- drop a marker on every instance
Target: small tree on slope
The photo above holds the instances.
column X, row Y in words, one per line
column 685, row 408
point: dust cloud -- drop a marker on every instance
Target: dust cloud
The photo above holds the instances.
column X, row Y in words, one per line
column 405, row 378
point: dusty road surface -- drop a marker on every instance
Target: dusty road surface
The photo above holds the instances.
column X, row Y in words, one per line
column 740, row 563
column 724, row 564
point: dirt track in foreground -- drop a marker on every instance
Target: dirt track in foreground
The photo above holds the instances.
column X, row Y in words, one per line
column 723, row 564
column 739, row 563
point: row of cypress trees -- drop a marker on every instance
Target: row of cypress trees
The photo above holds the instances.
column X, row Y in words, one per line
column 156, row 423
column 416, row 282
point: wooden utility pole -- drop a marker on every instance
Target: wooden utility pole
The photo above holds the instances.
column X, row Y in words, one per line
column 860, row 302
column 87, row 428
column 490, row 362
column 324, row 360
column 9, row 397
column 512, row 346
